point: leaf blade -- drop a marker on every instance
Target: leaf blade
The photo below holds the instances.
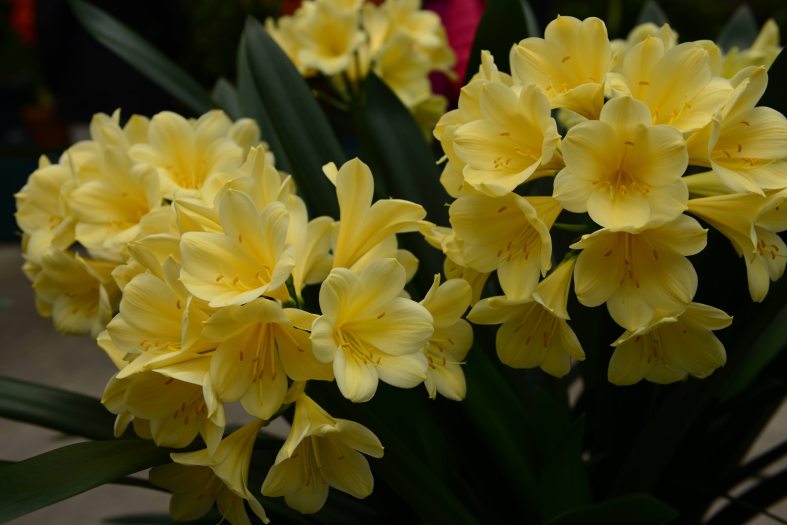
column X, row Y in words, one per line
column 59, row 474
column 55, row 408
column 142, row 56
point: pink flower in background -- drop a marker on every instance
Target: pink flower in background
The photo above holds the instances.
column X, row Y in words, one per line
column 460, row 18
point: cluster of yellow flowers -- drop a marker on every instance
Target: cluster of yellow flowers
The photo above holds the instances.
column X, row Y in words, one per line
column 345, row 39
column 180, row 247
column 653, row 130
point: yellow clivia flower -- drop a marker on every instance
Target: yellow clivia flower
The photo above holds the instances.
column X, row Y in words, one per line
column 763, row 51
column 176, row 404
column 108, row 209
column 670, row 348
column 78, row 293
column 751, row 222
column 40, row 209
column 568, row 65
column 677, row 83
column 641, row 276
column 534, row 331
column 624, row 172
column 249, row 259
column 451, row 340
column 369, row 332
column 364, row 225
column 321, row 452
column 159, row 323
column 186, row 154
column 260, row 346
column 327, row 36
column 513, row 138
column 509, row 234
column 229, row 463
column 746, row 146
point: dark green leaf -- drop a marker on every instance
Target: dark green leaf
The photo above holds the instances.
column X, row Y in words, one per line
column 765, row 348
column 54, row 408
column 305, row 136
column 652, row 12
column 504, row 23
column 497, row 413
column 149, row 61
column 251, row 106
column 226, row 96
column 740, row 30
column 59, row 474
column 635, row 509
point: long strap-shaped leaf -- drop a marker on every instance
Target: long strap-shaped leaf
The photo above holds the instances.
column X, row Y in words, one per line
column 141, row 55
column 294, row 117
column 54, row 408
column 59, row 474
column 505, row 22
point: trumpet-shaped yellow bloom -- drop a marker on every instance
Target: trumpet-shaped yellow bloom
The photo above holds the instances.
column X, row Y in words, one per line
column 624, row 172
column 509, row 234
column 750, row 221
column 641, row 276
column 469, row 110
column 260, row 345
column 637, row 35
column 249, row 259
column 747, row 145
column 77, row 293
column 451, row 340
column 186, row 154
column 194, row 492
column 763, row 51
column 677, row 84
column 321, row 452
column 159, row 323
column 40, row 211
column 176, row 408
column 229, row 462
column 369, row 332
column 364, row 225
column 108, row 209
column 515, row 135
column 671, row 348
column 534, row 329
column 568, row 65
column 327, row 36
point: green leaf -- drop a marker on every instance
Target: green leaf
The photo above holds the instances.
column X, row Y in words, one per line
column 142, row 56
column 652, row 12
column 59, row 474
column 740, row 30
column 304, row 134
column 226, row 96
column 251, row 106
column 635, row 509
column 766, row 346
column 54, row 408
column 497, row 413
column 504, row 23
column 563, row 478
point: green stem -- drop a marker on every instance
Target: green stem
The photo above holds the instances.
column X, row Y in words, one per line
column 579, row 228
